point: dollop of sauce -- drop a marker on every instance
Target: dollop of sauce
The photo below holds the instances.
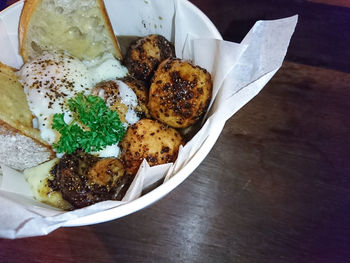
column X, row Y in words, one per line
column 105, row 68
column 120, row 97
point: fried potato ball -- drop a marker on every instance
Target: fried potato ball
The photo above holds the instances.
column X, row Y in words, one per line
column 106, row 172
column 145, row 54
column 180, row 93
column 151, row 140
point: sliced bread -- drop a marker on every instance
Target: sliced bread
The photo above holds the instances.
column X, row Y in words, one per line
column 82, row 28
column 20, row 144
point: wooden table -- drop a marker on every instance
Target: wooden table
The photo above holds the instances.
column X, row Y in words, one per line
column 275, row 188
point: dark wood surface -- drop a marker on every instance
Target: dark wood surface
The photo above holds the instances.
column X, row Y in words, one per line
column 275, row 187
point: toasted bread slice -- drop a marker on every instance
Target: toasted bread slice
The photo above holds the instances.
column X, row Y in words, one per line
column 20, row 144
column 82, row 28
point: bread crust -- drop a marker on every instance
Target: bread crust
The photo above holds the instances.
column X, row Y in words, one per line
column 7, row 69
column 110, row 28
column 28, row 11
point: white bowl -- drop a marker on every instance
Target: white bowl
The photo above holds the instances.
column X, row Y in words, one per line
column 10, row 17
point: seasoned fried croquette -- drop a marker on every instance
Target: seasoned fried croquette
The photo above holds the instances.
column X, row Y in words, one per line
column 150, row 140
column 180, row 93
column 145, row 54
column 84, row 179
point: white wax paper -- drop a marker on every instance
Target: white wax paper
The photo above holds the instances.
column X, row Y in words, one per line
column 239, row 72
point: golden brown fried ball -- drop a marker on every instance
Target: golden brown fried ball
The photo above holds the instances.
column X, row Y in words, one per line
column 106, row 172
column 145, row 54
column 180, row 93
column 150, row 140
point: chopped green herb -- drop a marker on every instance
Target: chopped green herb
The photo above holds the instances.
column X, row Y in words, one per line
column 94, row 125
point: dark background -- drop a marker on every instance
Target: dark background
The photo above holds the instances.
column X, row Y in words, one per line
column 321, row 37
